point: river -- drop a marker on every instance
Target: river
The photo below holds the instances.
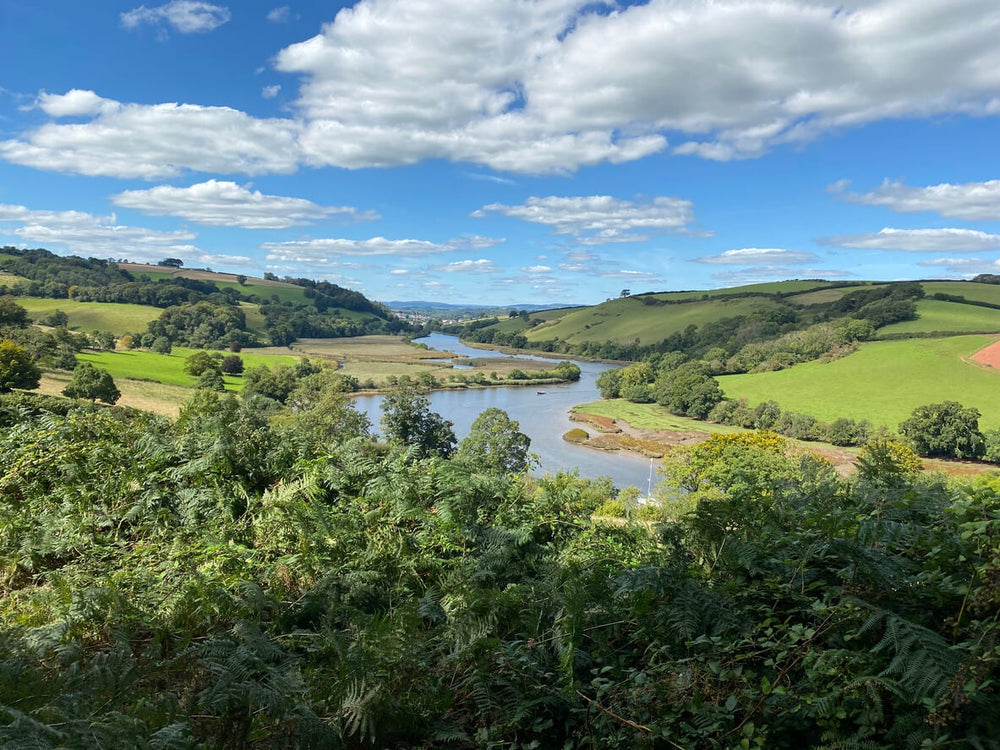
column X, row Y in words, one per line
column 542, row 417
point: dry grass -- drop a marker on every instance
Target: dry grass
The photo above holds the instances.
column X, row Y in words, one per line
column 138, row 394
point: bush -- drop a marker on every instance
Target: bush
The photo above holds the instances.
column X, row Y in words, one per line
column 576, row 435
column 612, row 509
column 946, row 429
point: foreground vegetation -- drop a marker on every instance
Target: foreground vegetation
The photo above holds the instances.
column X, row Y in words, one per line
column 259, row 576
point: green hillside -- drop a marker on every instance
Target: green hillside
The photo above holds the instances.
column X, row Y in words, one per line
column 115, row 317
column 883, row 381
column 937, row 316
column 629, row 318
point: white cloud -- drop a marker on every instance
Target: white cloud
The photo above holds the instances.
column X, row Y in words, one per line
column 964, row 267
column 757, row 256
column 185, row 16
column 226, row 204
column 601, row 219
column 157, row 141
column 84, row 234
column 318, row 252
column 74, row 102
column 554, row 86
column 627, row 274
column 759, row 274
column 971, row 200
column 918, row 240
column 468, row 266
column 537, row 269
column 269, row 92
column 280, row 15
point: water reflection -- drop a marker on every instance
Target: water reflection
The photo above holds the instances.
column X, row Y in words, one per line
column 543, row 417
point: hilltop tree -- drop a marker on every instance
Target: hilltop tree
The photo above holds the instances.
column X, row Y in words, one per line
column 17, row 368
column 92, row 383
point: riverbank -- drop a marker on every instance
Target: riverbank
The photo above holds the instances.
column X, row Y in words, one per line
column 661, row 432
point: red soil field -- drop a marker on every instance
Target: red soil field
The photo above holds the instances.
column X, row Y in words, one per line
column 989, row 355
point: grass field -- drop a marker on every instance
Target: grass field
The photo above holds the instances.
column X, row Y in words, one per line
column 625, row 320
column 769, row 287
column 937, row 316
column 94, row 316
column 168, row 369
column 971, row 290
column 154, row 397
column 883, row 382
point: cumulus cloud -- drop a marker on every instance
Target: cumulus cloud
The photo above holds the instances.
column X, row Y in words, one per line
column 157, row 141
column 85, row 234
column 468, row 266
column 971, row 200
column 320, row 252
column 535, row 270
column 226, row 204
column 601, row 219
column 547, row 87
column 73, row 103
column 918, row 240
column 758, row 256
column 269, row 92
column 184, row 16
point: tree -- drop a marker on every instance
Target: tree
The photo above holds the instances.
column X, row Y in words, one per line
column 55, row 318
column 171, row 262
column 946, row 429
column 211, row 379
column 17, row 368
column 276, row 383
column 161, row 345
column 92, row 383
column 200, row 362
column 407, row 419
column 496, row 444
column 232, row 365
column 12, row 314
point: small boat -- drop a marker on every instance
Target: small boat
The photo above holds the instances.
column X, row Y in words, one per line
column 540, row 393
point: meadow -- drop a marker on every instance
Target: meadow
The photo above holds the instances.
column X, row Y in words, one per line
column 168, row 369
column 939, row 316
column 93, row 316
column 883, row 381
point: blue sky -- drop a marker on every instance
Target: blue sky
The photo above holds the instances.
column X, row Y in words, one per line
column 508, row 151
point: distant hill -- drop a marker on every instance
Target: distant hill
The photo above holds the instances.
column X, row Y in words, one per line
column 455, row 311
column 730, row 318
column 191, row 307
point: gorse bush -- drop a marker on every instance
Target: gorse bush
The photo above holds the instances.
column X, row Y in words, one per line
column 254, row 576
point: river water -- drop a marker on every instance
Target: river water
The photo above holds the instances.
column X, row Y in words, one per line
column 542, row 417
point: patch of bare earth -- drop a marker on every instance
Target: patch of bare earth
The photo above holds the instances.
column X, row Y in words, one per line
column 989, row 355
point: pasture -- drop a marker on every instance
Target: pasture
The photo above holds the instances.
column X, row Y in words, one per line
column 938, row 316
column 882, row 382
column 93, row 316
